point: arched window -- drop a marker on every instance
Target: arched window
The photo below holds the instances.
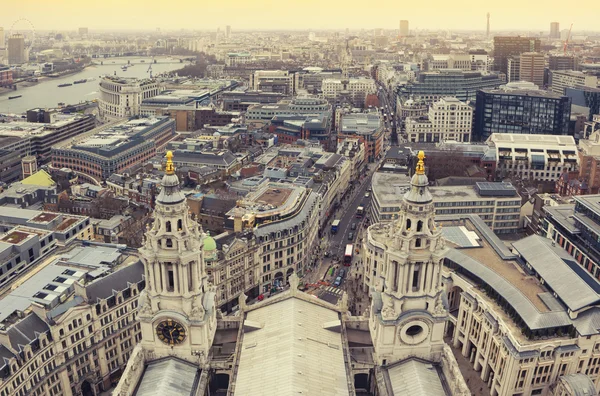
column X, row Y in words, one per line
column 168, row 226
column 179, row 225
column 169, row 243
column 419, row 226
column 418, row 242
column 408, row 224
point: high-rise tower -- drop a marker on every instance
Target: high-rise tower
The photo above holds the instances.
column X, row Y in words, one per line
column 403, row 28
column 176, row 310
column 487, row 34
column 554, row 30
column 408, row 309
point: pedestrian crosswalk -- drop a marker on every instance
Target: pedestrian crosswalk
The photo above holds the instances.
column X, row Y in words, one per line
column 334, row 290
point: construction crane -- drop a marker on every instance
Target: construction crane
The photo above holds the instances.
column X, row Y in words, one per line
column 567, row 41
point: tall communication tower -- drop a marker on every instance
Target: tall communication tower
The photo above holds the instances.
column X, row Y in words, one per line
column 488, row 25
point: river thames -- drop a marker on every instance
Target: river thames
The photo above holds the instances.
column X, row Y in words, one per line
column 46, row 93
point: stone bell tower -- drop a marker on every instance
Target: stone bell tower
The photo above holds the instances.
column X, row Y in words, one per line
column 408, row 309
column 177, row 309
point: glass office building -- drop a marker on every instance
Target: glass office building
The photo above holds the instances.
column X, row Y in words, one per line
column 433, row 86
column 520, row 111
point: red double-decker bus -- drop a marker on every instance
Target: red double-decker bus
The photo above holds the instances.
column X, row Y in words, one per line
column 348, row 255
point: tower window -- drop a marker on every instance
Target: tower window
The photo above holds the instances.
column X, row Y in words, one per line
column 171, row 280
column 417, row 242
column 395, row 285
column 415, row 279
column 419, row 226
column 168, row 225
column 169, row 243
column 179, row 225
column 408, row 224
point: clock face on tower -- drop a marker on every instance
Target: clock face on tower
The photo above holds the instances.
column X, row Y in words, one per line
column 170, row 332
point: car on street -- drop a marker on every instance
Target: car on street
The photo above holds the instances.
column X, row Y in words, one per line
column 338, row 281
column 350, row 236
column 367, row 195
column 354, row 226
column 342, row 273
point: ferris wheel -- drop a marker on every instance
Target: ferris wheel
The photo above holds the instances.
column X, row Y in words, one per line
column 23, row 26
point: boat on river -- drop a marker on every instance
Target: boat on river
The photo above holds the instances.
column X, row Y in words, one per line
column 14, row 97
column 64, row 85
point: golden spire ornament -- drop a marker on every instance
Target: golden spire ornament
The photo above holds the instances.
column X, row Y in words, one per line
column 169, row 167
column 421, row 164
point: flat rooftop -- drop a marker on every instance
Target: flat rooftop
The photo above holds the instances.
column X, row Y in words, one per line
column 274, row 196
column 531, row 140
column 510, row 270
column 389, row 188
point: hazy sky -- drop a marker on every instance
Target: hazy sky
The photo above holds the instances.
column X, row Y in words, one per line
column 534, row 15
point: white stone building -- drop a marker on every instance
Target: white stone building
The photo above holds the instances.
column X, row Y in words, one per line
column 561, row 79
column 534, row 157
column 448, row 119
column 122, row 97
column 355, row 89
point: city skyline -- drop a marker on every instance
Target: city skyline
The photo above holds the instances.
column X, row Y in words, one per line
column 136, row 15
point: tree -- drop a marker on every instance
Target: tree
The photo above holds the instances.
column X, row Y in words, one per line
column 445, row 164
column 133, row 234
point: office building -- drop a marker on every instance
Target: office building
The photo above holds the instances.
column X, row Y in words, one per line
column 506, row 47
column 38, row 138
column 70, row 327
column 368, row 128
column 563, row 62
column 353, row 90
column 238, row 58
column 278, row 81
column 83, row 31
column 2, row 38
column 403, row 28
column 487, row 30
column 291, row 128
column 29, row 234
column 555, row 30
column 6, row 76
column 520, row 111
column 10, row 166
column 533, row 157
column 227, row 31
column 497, row 204
column 589, row 162
column 563, row 79
column 451, row 61
column 16, row 49
column 311, row 78
column 576, row 229
column 122, row 97
column 531, row 68
column 302, row 105
column 586, row 97
column 115, row 147
column 433, row 86
column 514, row 69
column 241, row 100
column 448, row 119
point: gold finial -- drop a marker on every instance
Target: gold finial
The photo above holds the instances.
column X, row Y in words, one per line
column 421, row 164
column 169, row 168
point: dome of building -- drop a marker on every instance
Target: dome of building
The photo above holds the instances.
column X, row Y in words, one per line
column 209, row 247
column 209, row 243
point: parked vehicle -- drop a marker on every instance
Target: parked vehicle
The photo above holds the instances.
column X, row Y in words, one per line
column 350, row 236
column 338, row 281
column 354, row 226
column 342, row 273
